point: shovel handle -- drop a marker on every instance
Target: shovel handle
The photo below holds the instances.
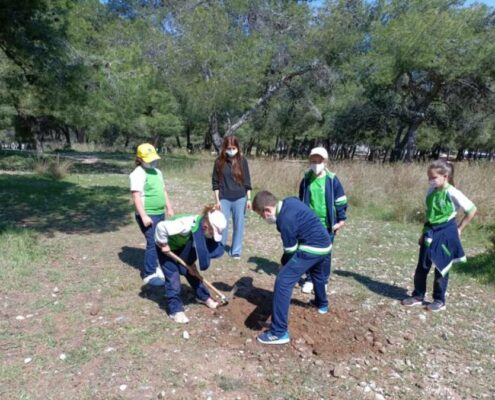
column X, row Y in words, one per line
column 195, row 272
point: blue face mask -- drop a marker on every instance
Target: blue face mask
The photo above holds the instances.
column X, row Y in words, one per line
column 152, row 164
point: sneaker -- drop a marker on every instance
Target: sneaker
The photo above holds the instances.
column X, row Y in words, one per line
column 321, row 310
column 307, row 287
column 156, row 279
column 209, row 302
column 412, row 301
column 236, row 256
column 269, row 338
column 180, row 317
column 436, row 306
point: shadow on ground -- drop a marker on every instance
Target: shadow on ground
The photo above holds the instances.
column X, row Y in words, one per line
column 381, row 288
column 259, row 297
column 134, row 257
column 269, row 267
column 48, row 206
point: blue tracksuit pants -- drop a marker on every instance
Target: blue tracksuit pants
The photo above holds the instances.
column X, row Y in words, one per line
column 439, row 284
column 287, row 278
column 172, row 271
column 327, row 268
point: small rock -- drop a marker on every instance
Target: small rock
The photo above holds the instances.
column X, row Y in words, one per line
column 338, row 371
column 408, row 336
column 422, row 317
column 55, row 290
column 62, row 356
column 123, row 387
column 109, row 349
column 162, row 395
column 27, row 360
column 185, row 335
column 444, row 336
column 372, row 328
column 308, row 339
column 19, row 318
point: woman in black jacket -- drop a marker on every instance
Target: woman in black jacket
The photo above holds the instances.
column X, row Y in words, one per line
column 231, row 184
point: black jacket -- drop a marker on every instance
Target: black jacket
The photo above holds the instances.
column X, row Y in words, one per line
column 230, row 189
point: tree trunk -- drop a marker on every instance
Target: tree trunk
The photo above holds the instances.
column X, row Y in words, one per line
column 396, row 153
column 188, row 138
column 213, row 133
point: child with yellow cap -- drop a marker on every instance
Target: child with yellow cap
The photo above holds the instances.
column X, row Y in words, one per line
column 151, row 201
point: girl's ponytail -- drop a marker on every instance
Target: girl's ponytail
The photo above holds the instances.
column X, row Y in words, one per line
column 450, row 167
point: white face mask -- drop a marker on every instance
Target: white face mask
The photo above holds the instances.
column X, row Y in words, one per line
column 231, row 153
column 271, row 219
column 317, row 168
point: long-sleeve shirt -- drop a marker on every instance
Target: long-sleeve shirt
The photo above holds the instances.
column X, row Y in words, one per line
column 301, row 229
column 225, row 183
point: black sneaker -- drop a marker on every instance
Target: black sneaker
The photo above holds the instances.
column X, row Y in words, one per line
column 412, row 301
column 436, row 306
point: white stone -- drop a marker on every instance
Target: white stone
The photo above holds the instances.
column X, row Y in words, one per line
column 19, row 318
column 186, row 335
column 27, row 360
column 62, row 356
column 123, row 387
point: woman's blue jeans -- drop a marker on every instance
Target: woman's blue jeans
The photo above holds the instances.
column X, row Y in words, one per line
column 236, row 208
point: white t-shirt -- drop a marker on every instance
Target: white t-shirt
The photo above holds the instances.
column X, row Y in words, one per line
column 179, row 226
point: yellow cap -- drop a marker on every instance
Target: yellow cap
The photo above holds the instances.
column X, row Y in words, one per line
column 147, row 153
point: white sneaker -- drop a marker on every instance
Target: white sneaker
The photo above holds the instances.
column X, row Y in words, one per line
column 209, row 302
column 307, row 287
column 159, row 273
column 180, row 317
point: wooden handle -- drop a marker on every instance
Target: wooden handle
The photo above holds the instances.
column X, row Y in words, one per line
column 196, row 273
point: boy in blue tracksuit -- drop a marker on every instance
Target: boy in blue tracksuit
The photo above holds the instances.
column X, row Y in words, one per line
column 307, row 247
column 322, row 191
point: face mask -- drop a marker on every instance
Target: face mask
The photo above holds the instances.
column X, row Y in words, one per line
column 271, row 219
column 152, row 164
column 317, row 168
column 231, row 153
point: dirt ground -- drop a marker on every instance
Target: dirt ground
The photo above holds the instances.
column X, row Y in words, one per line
column 83, row 327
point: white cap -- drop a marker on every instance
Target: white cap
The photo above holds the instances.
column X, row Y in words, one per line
column 218, row 223
column 320, row 151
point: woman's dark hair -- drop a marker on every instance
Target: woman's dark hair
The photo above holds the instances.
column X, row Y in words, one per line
column 237, row 172
column 443, row 167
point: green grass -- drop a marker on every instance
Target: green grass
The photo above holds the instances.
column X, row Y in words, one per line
column 481, row 267
column 22, row 253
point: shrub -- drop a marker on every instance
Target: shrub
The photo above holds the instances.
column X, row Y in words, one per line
column 54, row 169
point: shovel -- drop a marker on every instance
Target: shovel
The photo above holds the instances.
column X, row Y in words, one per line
column 194, row 271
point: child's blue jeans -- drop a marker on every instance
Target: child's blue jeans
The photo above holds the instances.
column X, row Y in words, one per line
column 150, row 254
column 172, row 271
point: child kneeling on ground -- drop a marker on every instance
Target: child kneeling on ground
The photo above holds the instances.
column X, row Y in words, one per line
column 191, row 237
column 306, row 249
